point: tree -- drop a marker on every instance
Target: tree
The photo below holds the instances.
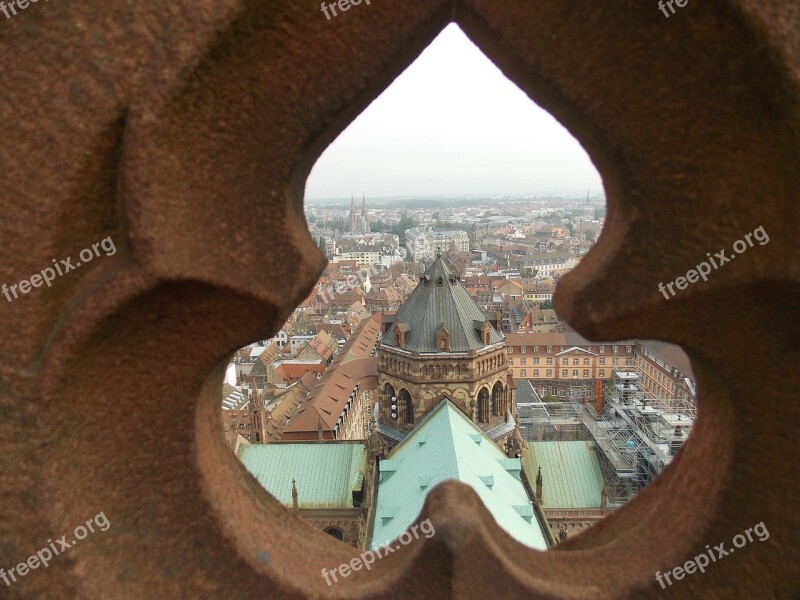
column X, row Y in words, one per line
column 322, row 245
column 549, row 398
column 546, row 305
column 591, row 236
column 402, row 226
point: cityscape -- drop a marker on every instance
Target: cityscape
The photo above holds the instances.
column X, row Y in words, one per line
column 429, row 350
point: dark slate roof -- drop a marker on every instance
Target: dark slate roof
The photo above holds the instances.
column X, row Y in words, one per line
column 432, row 304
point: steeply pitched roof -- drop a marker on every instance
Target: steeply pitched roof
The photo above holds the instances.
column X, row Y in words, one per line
column 326, row 473
column 438, row 299
column 571, row 476
column 447, row 445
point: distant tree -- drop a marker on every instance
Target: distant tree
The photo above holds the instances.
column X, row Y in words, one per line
column 571, row 227
column 591, row 236
column 322, row 245
column 311, row 219
column 546, row 305
column 599, row 213
column 437, row 216
column 549, row 398
column 402, row 226
column 379, row 226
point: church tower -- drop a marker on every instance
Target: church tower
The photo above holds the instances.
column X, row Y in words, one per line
column 439, row 345
column 353, row 228
column 365, row 214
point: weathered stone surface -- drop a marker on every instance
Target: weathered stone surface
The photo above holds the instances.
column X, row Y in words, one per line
column 185, row 130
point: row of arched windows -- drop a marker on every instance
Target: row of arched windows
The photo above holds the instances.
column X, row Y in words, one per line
column 495, row 404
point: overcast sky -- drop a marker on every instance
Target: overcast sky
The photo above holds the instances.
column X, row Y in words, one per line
column 452, row 124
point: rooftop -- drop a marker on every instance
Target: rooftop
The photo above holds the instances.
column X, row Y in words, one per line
column 440, row 300
column 571, row 476
column 446, row 445
column 327, row 474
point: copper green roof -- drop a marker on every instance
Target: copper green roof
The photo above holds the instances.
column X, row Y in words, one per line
column 440, row 299
column 447, row 445
column 571, row 476
column 326, row 473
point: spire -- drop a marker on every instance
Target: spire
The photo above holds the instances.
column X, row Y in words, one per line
column 539, row 485
column 295, row 502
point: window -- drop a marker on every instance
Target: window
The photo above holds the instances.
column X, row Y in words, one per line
column 602, row 361
column 543, row 391
column 549, row 372
column 615, row 349
column 586, row 372
column 565, row 362
column 563, row 392
column 586, row 362
column 565, row 373
column 575, row 372
column 511, row 350
column 524, row 349
column 536, row 348
column 602, row 349
column 536, row 361
column 522, row 373
column 628, row 349
column 511, row 361
column 576, row 361
column 616, row 361
column 549, row 349
column 629, row 361
column 536, row 372
column 549, row 361
column 602, row 372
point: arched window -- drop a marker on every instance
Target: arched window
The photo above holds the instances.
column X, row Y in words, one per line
column 483, row 405
column 498, row 400
column 407, row 406
column 335, row 532
column 390, row 401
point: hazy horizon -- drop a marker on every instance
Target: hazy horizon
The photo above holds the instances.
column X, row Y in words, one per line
column 452, row 125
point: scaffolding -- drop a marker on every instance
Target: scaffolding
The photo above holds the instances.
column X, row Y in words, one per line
column 637, row 434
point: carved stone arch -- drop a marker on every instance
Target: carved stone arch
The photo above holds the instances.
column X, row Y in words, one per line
column 157, row 168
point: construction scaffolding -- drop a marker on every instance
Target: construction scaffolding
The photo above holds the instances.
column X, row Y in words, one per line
column 636, row 433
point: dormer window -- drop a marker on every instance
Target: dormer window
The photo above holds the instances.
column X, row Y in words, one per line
column 400, row 332
column 443, row 339
column 440, row 282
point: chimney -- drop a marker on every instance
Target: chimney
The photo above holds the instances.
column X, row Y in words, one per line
column 598, row 397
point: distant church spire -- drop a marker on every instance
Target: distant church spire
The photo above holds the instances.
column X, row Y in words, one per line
column 353, row 220
column 364, row 213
